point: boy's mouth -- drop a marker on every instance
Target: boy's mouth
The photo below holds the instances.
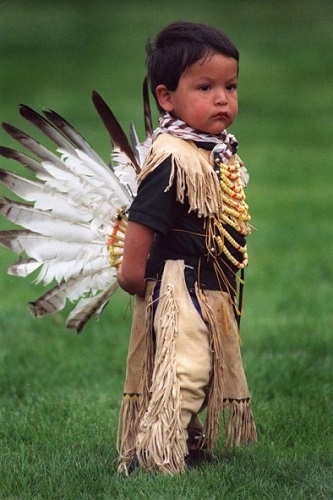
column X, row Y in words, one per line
column 221, row 116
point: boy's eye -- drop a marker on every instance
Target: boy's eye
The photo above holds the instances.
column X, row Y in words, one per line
column 232, row 86
column 204, row 87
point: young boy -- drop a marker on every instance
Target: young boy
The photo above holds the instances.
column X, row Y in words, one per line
column 184, row 243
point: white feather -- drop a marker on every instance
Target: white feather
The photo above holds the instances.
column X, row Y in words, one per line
column 45, row 198
column 44, row 248
column 88, row 307
column 45, row 222
column 73, row 204
column 79, row 269
column 124, row 171
column 23, row 267
column 107, row 175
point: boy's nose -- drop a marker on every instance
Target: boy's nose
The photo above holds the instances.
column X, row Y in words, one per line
column 221, row 97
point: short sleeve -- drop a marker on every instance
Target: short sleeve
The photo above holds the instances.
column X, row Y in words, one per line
column 153, row 206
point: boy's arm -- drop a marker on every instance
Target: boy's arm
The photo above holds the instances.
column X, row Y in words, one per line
column 131, row 274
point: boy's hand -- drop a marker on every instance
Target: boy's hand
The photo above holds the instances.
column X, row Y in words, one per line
column 131, row 274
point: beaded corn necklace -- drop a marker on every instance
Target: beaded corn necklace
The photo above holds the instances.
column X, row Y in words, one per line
column 234, row 214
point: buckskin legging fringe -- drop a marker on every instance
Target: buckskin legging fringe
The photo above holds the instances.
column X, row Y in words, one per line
column 179, row 363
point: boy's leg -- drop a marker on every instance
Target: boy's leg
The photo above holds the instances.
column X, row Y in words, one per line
column 181, row 375
column 193, row 362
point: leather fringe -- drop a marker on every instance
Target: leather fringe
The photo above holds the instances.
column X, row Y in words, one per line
column 161, row 442
column 216, row 385
column 133, row 406
column 239, row 427
column 128, row 430
column 195, row 178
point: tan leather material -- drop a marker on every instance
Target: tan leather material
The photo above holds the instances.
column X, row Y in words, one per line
column 192, row 345
column 224, row 322
column 177, row 364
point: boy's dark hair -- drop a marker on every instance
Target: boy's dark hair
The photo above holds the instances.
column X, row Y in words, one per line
column 178, row 46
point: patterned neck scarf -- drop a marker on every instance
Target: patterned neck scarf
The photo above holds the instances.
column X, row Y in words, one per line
column 226, row 144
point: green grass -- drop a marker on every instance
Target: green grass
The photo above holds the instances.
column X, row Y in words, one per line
column 59, row 392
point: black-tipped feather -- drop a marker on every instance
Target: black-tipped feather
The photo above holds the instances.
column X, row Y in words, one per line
column 32, row 145
column 135, row 142
column 46, row 127
column 50, row 302
column 71, row 133
column 115, row 130
column 24, row 159
column 93, row 306
column 148, row 121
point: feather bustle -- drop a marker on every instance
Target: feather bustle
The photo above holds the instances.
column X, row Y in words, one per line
column 68, row 212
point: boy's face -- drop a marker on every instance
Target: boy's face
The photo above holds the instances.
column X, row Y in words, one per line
column 206, row 97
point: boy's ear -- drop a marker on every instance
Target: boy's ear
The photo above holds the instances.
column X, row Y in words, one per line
column 164, row 97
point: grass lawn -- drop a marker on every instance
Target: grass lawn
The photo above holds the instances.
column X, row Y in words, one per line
column 60, row 393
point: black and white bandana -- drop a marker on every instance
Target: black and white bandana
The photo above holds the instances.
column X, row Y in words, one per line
column 226, row 144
